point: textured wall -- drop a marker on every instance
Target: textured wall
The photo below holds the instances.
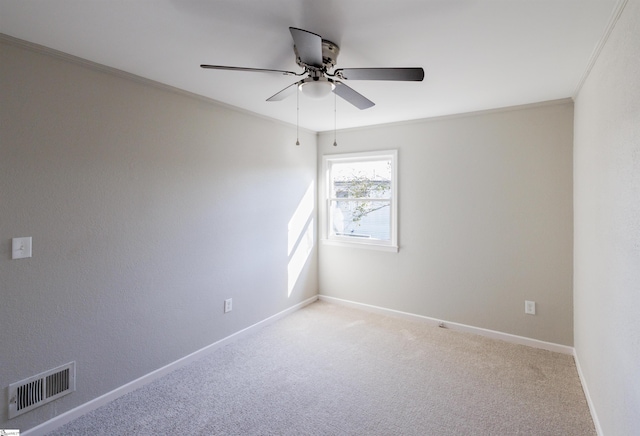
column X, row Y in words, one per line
column 607, row 228
column 147, row 208
column 485, row 222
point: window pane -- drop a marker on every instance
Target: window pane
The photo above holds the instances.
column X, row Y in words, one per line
column 361, row 219
column 368, row 179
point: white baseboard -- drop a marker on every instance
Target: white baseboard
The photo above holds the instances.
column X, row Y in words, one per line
column 87, row 407
column 535, row 343
column 585, row 388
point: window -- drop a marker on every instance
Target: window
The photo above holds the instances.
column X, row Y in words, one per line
column 361, row 200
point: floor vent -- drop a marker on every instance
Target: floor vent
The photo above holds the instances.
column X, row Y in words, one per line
column 35, row 391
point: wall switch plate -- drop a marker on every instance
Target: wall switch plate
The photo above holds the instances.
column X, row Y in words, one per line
column 228, row 305
column 530, row 307
column 20, row 248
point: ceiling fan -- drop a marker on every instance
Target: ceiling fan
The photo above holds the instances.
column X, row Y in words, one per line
column 318, row 56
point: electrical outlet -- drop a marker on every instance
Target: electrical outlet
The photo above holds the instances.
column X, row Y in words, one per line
column 530, row 307
column 228, row 304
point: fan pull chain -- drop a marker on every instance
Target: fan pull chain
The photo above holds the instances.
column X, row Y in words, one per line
column 297, row 115
column 335, row 104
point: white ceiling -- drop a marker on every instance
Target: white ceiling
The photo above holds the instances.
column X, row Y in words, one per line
column 477, row 54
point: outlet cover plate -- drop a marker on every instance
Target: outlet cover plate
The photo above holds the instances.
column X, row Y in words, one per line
column 530, row 307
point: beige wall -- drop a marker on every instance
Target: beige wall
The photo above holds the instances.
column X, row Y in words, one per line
column 485, row 222
column 607, row 229
column 147, row 207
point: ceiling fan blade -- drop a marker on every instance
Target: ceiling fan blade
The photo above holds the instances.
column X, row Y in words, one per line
column 353, row 97
column 259, row 70
column 403, row 74
column 286, row 92
column 308, row 46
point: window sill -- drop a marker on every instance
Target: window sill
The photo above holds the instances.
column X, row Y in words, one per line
column 365, row 245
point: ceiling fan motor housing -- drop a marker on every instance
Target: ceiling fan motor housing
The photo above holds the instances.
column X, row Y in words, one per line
column 330, row 52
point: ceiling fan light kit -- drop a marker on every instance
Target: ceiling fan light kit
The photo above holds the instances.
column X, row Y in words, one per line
column 317, row 88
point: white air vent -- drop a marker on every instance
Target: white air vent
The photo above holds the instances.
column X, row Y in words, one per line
column 35, row 391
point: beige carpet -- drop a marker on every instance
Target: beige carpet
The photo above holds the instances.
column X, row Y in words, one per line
column 331, row 370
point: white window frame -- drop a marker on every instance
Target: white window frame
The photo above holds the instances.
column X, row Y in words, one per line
column 327, row 236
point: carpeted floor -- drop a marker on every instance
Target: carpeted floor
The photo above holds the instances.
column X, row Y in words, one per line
column 332, row 370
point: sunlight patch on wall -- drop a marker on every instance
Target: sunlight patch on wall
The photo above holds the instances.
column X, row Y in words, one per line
column 300, row 237
column 300, row 256
column 300, row 218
